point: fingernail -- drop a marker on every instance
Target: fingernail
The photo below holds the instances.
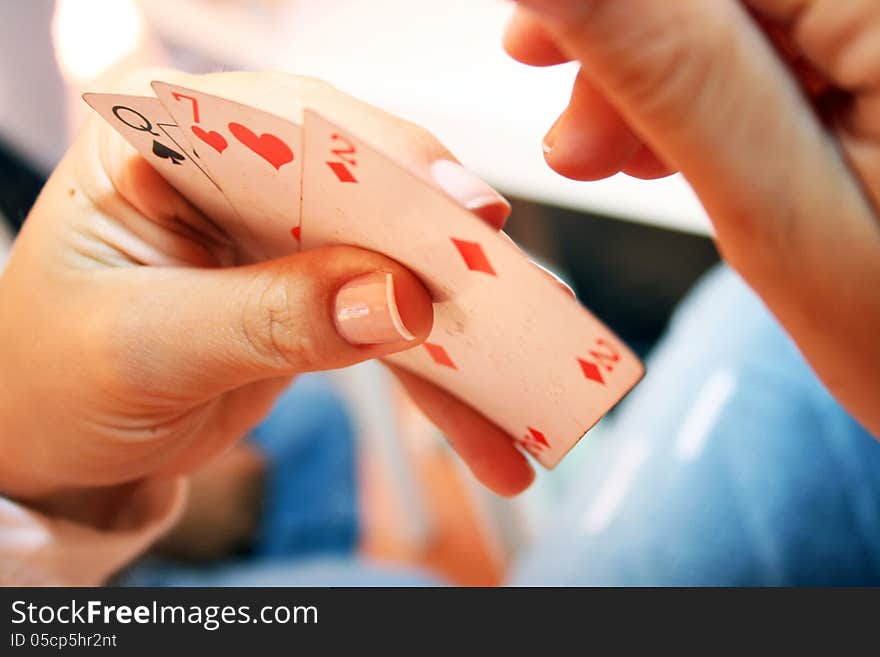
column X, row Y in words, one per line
column 366, row 311
column 472, row 192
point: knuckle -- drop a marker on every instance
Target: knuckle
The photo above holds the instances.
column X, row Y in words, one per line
column 277, row 327
column 657, row 62
column 426, row 142
column 840, row 39
column 680, row 67
column 309, row 84
column 303, row 87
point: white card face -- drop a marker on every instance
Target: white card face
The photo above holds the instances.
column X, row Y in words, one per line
column 506, row 339
column 145, row 124
column 254, row 156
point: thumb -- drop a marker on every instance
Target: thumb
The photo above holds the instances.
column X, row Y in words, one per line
column 193, row 333
column 703, row 87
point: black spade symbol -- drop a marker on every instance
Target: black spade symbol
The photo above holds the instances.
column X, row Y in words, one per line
column 162, row 151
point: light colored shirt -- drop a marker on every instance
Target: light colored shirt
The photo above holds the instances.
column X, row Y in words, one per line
column 45, row 548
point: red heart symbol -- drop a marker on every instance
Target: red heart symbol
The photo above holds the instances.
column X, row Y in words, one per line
column 213, row 139
column 267, row 146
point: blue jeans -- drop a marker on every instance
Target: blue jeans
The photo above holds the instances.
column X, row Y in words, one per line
column 309, row 517
column 310, row 498
column 729, row 465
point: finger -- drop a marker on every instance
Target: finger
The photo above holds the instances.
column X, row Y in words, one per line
column 777, row 22
column 114, row 179
column 695, row 80
column 647, row 166
column 705, row 89
column 487, row 450
column 590, row 140
column 223, row 421
column 201, row 332
column 156, row 213
column 827, row 44
column 411, row 145
column 527, row 41
column 839, row 38
column 471, row 191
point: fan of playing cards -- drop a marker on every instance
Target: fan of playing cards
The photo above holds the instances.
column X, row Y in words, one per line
column 506, row 338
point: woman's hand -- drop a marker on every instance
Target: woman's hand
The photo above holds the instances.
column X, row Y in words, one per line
column 136, row 339
column 771, row 109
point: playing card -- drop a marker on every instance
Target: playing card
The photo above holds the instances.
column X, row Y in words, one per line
column 506, row 338
column 146, row 125
column 254, row 156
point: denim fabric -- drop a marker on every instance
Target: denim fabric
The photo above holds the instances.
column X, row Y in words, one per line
column 730, row 465
column 310, row 500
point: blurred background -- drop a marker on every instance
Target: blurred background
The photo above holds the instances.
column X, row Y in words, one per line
column 630, row 249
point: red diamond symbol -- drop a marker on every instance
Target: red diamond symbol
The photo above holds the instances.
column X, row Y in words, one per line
column 538, row 437
column 591, row 371
column 295, row 232
column 439, row 355
column 534, row 441
column 342, row 172
column 473, row 256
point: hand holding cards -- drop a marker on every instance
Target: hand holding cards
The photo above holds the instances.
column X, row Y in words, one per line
column 506, row 338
